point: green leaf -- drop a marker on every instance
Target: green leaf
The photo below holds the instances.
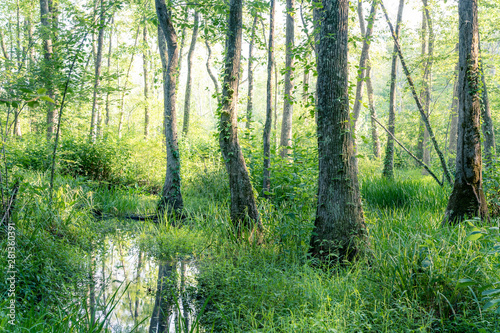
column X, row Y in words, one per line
column 475, row 235
column 48, row 99
column 465, row 283
column 491, row 292
column 41, row 91
column 491, row 303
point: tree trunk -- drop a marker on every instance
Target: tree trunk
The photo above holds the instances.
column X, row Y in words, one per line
column 487, row 124
column 371, row 104
column 286, row 123
column 171, row 197
column 417, row 100
column 389, row 148
column 467, row 198
column 209, row 70
column 266, row 177
column 145, row 74
column 46, row 35
column 427, row 79
column 244, row 212
column 106, row 120
column 250, row 75
column 97, row 79
column 454, row 122
column 187, row 99
column 362, row 63
column 339, row 229
column 164, row 304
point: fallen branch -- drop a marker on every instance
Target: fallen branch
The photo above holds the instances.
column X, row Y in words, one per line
column 409, row 152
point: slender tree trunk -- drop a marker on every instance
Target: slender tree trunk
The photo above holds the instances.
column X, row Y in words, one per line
column 417, row 100
column 106, row 120
column 286, row 123
column 137, row 282
column 244, row 212
column 97, row 80
column 487, row 124
column 339, row 229
column 421, row 141
column 163, row 307
column 467, row 198
column 122, row 102
column 210, row 73
column 362, row 63
column 389, row 148
column 266, row 183
column 46, row 35
column 371, row 104
column 427, row 80
column 187, row 99
column 454, row 122
column 171, row 197
column 250, row 75
column 145, row 74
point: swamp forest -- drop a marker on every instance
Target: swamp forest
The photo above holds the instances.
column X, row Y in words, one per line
column 250, row 166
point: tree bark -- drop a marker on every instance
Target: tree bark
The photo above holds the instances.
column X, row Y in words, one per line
column 286, row 123
column 417, row 100
column 97, row 78
column 244, row 212
column 454, row 122
column 467, row 198
column 145, row 74
column 45, row 16
column 339, row 228
column 187, row 99
column 106, row 120
column 171, row 197
column 427, row 79
column 266, row 177
column 389, row 148
column 362, row 63
column 250, row 75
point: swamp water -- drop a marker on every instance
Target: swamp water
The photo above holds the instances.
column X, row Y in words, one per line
column 133, row 293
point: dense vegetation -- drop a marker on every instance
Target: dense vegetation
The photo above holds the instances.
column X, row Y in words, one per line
column 89, row 241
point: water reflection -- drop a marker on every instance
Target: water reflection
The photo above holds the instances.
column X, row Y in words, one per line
column 150, row 297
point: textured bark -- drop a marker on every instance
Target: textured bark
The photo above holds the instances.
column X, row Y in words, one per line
column 97, row 78
column 250, row 74
column 210, row 73
column 417, row 100
column 362, row 63
column 171, row 197
column 388, row 171
column 427, row 79
column 45, row 16
column 339, row 228
column 421, row 127
column 467, row 198
column 454, row 122
column 106, row 120
column 145, row 74
column 187, row 98
column 266, row 177
column 244, row 214
column 286, row 123
column 487, row 123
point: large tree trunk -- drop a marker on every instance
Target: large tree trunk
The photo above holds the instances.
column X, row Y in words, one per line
column 171, row 198
column 46, row 35
column 286, row 123
column 266, row 177
column 467, row 198
column 389, row 148
column 244, row 212
column 250, row 75
column 339, row 229
column 97, row 80
column 187, row 99
column 145, row 74
column 362, row 63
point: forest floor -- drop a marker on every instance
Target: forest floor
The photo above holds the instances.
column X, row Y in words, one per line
column 417, row 276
